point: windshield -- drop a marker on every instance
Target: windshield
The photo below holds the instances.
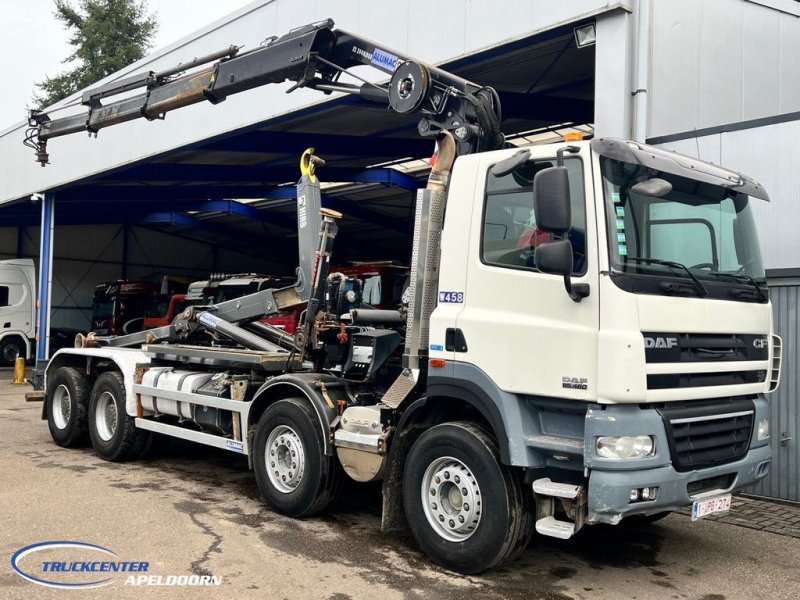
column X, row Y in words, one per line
column 699, row 232
column 103, row 310
column 157, row 306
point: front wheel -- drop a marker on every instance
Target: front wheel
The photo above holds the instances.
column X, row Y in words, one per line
column 113, row 433
column 292, row 471
column 10, row 349
column 467, row 511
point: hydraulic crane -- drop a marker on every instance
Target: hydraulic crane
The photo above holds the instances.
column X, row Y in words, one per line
column 313, row 56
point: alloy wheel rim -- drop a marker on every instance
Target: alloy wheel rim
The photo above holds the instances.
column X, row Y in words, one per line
column 284, row 456
column 451, row 499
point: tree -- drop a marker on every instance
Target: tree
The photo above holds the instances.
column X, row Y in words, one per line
column 107, row 35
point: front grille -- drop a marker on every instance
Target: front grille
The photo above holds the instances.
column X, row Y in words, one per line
column 665, row 347
column 705, row 434
column 683, row 380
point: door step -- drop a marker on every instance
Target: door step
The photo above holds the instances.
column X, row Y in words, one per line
column 552, row 527
column 545, row 487
column 573, row 501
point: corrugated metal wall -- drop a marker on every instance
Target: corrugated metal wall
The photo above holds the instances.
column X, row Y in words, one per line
column 784, row 478
column 716, row 62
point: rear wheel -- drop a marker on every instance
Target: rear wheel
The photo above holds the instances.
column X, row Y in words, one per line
column 467, row 511
column 292, row 471
column 113, row 433
column 67, row 406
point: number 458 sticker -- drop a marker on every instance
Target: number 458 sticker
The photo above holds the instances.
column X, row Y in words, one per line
column 451, row 297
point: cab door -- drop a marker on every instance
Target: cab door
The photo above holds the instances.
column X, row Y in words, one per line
column 520, row 325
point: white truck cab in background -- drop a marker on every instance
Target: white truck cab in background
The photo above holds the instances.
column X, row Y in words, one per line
column 17, row 309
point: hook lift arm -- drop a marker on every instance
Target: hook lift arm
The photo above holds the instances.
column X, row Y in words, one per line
column 312, row 56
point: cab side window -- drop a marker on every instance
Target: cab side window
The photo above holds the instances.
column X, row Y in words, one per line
column 510, row 235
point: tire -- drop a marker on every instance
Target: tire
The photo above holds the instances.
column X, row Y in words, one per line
column 113, row 433
column 299, row 480
column 497, row 526
column 67, row 407
column 10, row 349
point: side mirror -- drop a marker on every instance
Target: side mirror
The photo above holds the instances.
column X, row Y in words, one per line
column 551, row 200
column 554, row 257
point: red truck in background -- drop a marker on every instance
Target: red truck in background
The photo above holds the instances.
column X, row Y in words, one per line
column 163, row 308
column 118, row 307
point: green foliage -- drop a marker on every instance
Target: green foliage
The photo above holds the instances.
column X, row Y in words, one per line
column 106, row 36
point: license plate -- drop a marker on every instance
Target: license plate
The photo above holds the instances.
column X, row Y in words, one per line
column 709, row 506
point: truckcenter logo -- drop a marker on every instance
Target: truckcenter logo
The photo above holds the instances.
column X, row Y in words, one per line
column 70, row 565
column 73, row 569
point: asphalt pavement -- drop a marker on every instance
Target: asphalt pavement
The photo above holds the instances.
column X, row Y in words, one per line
column 193, row 512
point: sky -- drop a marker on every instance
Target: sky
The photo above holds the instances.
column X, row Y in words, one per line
column 33, row 43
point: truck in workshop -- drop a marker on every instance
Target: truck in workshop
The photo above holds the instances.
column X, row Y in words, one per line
column 119, row 307
column 587, row 336
column 18, row 337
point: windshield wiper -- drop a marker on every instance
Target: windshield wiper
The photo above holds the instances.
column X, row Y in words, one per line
column 762, row 296
column 674, row 265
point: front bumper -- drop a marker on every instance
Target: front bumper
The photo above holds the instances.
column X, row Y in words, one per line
column 609, row 491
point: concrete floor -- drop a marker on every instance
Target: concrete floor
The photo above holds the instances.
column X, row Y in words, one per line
column 198, row 511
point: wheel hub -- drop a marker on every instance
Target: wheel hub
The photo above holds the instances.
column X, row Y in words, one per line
column 62, row 406
column 106, row 416
column 10, row 353
column 285, row 459
column 451, row 499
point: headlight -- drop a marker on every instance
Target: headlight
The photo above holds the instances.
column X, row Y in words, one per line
column 763, row 429
column 626, row 446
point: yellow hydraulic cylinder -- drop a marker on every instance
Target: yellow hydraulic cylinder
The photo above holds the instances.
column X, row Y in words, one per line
column 19, row 371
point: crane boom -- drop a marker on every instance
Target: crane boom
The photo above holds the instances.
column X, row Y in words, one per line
column 313, row 56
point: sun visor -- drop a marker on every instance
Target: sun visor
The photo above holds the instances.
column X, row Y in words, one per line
column 677, row 164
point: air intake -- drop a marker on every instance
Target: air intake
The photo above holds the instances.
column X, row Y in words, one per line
column 775, row 370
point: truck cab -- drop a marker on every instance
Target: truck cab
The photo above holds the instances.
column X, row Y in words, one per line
column 119, row 307
column 646, row 383
column 162, row 309
column 17, row 307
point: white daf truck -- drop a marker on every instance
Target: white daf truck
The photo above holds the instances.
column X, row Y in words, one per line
column 588, row 338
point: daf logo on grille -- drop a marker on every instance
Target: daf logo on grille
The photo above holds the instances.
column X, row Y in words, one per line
column 760, row 343
column 660, row 342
